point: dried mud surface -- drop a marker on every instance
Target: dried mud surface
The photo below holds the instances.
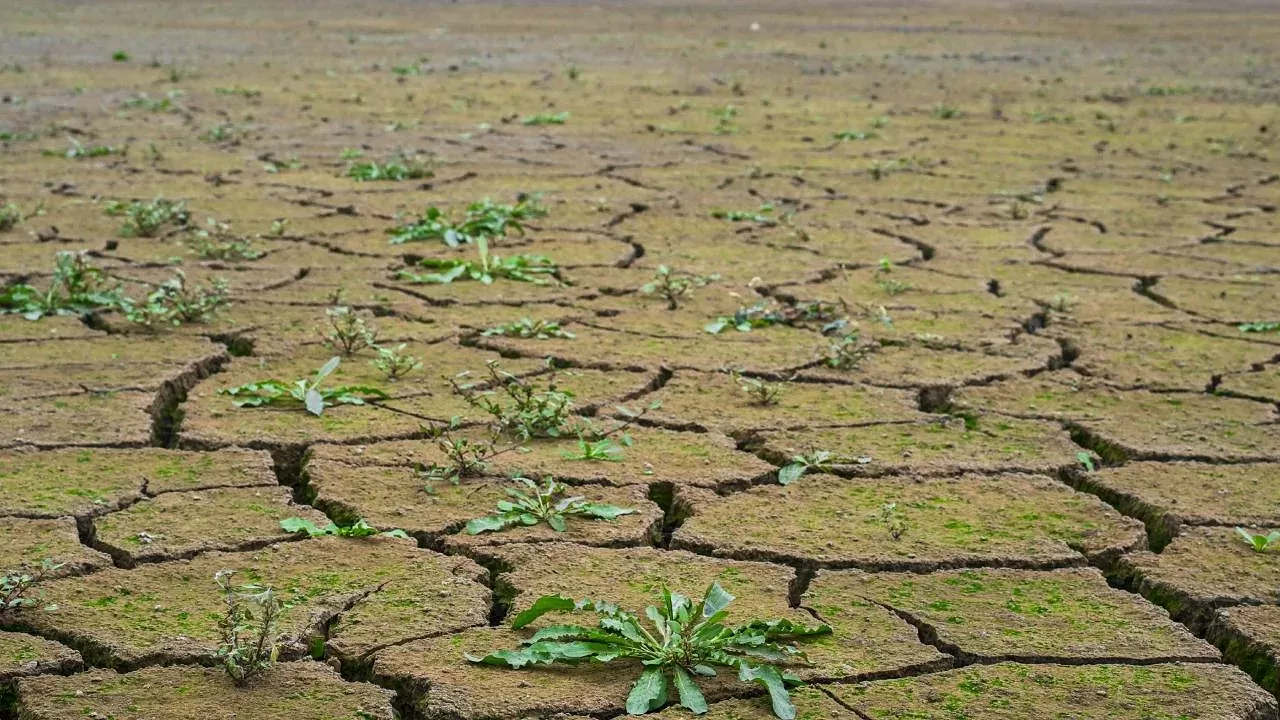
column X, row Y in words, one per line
column 1050, row 239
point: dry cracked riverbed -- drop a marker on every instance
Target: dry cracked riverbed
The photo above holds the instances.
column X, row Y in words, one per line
column 1016, row 269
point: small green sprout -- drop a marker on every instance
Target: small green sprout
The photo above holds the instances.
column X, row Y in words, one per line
column 76, row 288
column 395, row 363
column 526, row 328
column 484, row 219
column 395, row 169
column 78, row 150
column 549, row 503
column 176, row 303
column 10, row 216
column 348, row 332
column 602, row 450
column 517, row 268
column 15, row 587
column 1086, row 461
column 304, row 392
column 559, row 118
column 671, row 285
column 760, row 392
column 359, row 529
column 250, row 631
column 216, row 242
column 687, row 640
column 1259, row 327
column 761, row 216
column 1260, row 542
column 120, row 56
column 851, row 135
column 893, row 520
column 147, row 219
column 942, row 111
column 816, row 461
column 519, row 407
column 847, row 351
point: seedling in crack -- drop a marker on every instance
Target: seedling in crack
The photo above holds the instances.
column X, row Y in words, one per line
column 852, row 135
column 1260, row 542
column 79, row 150
column 520, row 408
column 176, row 303
column 602, row 450
column 395, row 363
column 893, row 520
column 76, row 288
column 396, row 169
column 1259, row 327
column 549, row 503
column 249, row 628
column 147, row 219
column 768, row 313
column 465, row 458
column 816, row 461
column 484, row 219
column 559, row 118
column 760, row 392
column 533, row 329
column 848, row 351
column 533, row 269
column 348, row 331
column 671, row 285
column 358, row 529
column 10, row 216
column 217, row 242
column 687, row 639
column 1086, row 460
column 16, row 587
column 304, row 392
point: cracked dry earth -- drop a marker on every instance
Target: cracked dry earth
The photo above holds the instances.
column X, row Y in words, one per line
column 1047, row 223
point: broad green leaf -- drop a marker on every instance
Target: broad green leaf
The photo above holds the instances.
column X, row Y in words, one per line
column 715, row 600
column 604, row 511
column 790, row 473
column 690, row 696
column 542, row 606
column 771, row 679
column 297, row 524
column 328, row 368
column 649, row 693
column 489, row 523
column 314, row 402
column 557, row 522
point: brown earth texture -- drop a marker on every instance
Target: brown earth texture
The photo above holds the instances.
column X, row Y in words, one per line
column 952, row 324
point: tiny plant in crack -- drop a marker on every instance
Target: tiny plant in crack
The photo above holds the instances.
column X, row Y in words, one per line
column 484, row 219
column 602, row 450
column 847, row 351
column 348, row 332
column 1260, row 542
column 215, row 241
column 76, row 288
column 760, row 392
column 559, row 118
column 533, row 269
column 304, row 392
column 549, row 503
column 249, row 628
column 16, row 587
column 816, row 461
column 175, row 303
column 395, row 363
column 672, row 285
column 147, row 219
column 687, row 639
column 893, row 520
column 532, row 329
column 464, row 457
column 519, row 407
column 358, row 529
column 401, row 167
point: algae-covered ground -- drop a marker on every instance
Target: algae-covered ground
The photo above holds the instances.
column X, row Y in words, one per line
column 1006, row 276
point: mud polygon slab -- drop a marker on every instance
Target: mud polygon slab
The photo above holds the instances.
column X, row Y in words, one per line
column 1008, row 520
column 1204, row 569
column 811, row 704
column 166, row 612
column 183, row 524
column 1250, row 639
column 992, row 615
column 1160, row 358
column 1011, row 691
column 717, row 401
column 85, row 482
column 286, row 691
column 1262, row 385
column 1169, row 495
column 917, row 366
column 112, row 419
column 23, row 655
column 944, row 447
column 28, row 543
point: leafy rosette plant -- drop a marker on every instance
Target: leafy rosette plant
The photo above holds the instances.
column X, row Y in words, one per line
column 684, row 640
column 549, row 503
column 306, row 392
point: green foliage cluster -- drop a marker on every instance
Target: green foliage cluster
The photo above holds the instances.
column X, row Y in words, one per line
column 306, row 393
column 484, row 219
column 549, row 503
